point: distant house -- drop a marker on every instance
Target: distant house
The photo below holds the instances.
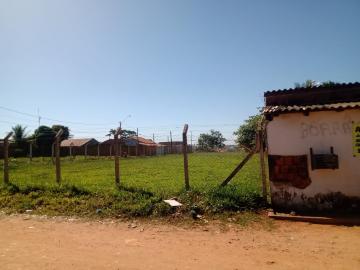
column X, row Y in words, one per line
column 132, row 146
column 313, row 138
column 174, row 147
column 78, row 146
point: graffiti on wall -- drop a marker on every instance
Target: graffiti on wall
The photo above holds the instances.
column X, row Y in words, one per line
column 323, row 129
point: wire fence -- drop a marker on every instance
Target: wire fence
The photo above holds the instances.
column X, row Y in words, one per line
column 94, row 164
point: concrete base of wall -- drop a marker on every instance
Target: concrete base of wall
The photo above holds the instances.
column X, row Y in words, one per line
column 324, row 203
column 334, row 220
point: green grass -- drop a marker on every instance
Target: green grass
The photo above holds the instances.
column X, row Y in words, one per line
column 88, row 185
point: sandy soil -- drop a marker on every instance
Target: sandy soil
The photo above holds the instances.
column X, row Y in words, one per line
column 35, row 243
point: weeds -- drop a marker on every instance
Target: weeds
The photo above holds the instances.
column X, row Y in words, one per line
column 88, row 188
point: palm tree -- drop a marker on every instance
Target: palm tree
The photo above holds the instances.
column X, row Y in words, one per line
column 111, row 132
column 19, row 134
column 20, row 138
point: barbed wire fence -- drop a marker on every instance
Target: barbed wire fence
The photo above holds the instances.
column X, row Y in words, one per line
column 170, row 135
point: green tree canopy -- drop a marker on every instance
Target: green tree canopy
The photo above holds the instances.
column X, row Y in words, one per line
column 211, row 141
column 312, row 83
column 306, row 84
column 44, row 137
column 66, row 131
column 19, row 134
column 125, row 133
column 20, row 138
column 246, row 134
column 329, row 83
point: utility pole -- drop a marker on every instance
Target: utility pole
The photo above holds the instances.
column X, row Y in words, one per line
column 39, row 117
column 153, row 137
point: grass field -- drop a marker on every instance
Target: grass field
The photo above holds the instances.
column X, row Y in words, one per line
column 88, row 185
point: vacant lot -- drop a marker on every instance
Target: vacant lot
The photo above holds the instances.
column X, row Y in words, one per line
column 88, row 185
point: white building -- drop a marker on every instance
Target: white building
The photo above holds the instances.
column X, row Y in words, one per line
column 313, row 139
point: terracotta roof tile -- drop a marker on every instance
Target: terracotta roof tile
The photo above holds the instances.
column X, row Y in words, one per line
column 308, row 108
column 77, row 142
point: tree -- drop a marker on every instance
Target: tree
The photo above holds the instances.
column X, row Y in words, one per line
column 125, row 133
column 66, row 132
column 44, row 138
column 20, row 134
column 208, row 142
column 20, row 137
column 329, row 83
column 246, row 134
column 312, row 83
column 111, row 133
column 306, row 84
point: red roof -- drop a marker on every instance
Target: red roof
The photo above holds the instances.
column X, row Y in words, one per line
column 77, row 142
column 141, row 140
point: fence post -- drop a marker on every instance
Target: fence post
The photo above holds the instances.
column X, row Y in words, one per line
column 53, row 152
column 262, row 163
column 85, row 151
column 6, row 158
column 30, row 150
column 57, row 155
column 117, row 169
column 70, row 150
column 171, row 143
column 186, row 166
column 98, row 150
column 137, row 142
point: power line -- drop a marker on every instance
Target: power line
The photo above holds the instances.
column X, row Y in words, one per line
column 51, row 119
column 172, row 127
column 15, row 123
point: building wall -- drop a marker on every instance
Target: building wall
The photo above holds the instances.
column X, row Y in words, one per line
column 293, row 134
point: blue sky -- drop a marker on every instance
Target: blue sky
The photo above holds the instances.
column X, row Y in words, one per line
column 166, row 63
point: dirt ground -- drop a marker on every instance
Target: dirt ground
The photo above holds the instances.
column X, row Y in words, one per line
column 44, row 243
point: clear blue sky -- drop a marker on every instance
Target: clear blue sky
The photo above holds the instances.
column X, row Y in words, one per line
column 206, row 63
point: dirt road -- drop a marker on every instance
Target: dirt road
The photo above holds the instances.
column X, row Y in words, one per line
column 52, row 244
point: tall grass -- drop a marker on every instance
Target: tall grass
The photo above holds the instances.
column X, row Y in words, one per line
column 88, row 185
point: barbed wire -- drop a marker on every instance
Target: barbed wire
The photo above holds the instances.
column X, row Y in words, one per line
column 100, row 131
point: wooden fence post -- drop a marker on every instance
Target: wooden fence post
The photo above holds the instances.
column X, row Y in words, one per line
column 70, row 150
column 117, row 169
column 171, row 143
column 262, row 163
column 6, row 158
column 57, row 155
column 186, row 165
column 30, row 150
column 85, row 151
column 53, row 152
column 137, row 142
